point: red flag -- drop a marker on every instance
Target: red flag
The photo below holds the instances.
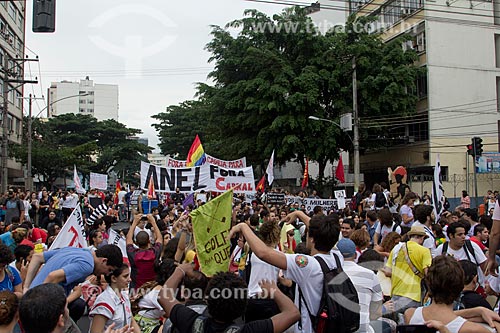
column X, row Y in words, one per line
column 262, row 184
column 151, row 189
column 306, row 175
column 118, row 189
column 339, row 173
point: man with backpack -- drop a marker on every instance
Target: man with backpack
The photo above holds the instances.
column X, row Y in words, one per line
column 463, row 249
column 317, row 302
column 407, row 266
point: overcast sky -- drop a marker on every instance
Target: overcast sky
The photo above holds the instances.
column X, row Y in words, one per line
column 152, row 49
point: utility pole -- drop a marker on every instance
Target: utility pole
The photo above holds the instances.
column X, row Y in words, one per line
column 29, row 135
column 356, row 124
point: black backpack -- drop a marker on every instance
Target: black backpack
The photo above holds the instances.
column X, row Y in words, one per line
column 380, row 200
column 468, row 248
column 339, row 306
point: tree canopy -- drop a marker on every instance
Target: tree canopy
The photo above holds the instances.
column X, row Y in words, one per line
column 275, row 73
column 60, row 142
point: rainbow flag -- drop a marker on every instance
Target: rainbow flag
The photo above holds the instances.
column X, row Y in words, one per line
column 196, row 155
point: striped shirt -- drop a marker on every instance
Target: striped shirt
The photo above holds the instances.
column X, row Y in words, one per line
column 99, row 212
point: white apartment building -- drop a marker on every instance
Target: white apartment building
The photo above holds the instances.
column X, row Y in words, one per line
column 458, row 43
column 84, row 97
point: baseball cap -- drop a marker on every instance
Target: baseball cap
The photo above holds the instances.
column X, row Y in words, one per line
column 346, row 247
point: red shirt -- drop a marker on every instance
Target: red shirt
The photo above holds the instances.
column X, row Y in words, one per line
column 37, row 234
column 479, row 243
column 142, row 263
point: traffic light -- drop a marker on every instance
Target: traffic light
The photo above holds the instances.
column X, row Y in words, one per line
column 44, row 15
column 470, row 149
column 478, row 145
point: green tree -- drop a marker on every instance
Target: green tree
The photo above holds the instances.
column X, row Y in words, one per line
column 66, row 140
column 275, row 73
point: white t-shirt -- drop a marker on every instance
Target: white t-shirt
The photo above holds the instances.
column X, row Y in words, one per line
column 306, row 272
column 116, row 309
column 384, row 230
column 150, row 302
column 70, row 201
column 406, row 210
column 429, row 242
column 478, row 258
column 260, row 271
column 121, row 194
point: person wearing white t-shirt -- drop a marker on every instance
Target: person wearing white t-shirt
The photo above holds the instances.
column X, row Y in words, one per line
column 385, row 226
column 424, row 215
column 258, row 308
column 368, row 287
column 304, row 270
column 457, row 248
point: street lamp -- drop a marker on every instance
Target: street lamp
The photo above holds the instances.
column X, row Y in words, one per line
column 29, row 176
column 355, row 144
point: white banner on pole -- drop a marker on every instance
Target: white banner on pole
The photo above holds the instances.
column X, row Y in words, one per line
column 71, row 233
column 118, row 240
column 98, row 181
column 78, row 184
column 207, row 177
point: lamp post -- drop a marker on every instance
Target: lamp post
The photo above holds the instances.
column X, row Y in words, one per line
column 355, row 144
column 29, row 176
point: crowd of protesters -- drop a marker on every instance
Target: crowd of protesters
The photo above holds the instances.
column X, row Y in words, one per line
column 407, row 265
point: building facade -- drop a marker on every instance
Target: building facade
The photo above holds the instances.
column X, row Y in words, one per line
column 84, row 97
column 458, row 45
column 12, row 39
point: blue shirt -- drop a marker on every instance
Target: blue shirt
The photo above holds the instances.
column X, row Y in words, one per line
column 76, row 263
column 7, row 240
column 10, row 280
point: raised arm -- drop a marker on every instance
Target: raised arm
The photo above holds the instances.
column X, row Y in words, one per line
column 298, row 214
column 130, row 234
column 289, row 313
column 261, row 250
column 166, row 297
column 152, row 220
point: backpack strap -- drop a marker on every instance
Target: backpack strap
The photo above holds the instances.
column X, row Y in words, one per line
column 410, row 263
column 199, row 324
column 9, row 273
column 468, row 248
column 445, row 248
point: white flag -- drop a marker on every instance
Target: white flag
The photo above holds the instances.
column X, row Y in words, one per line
column 118, row 240
column 437, row 191
column 78, row 185
column 71, row 233
column 270, row 170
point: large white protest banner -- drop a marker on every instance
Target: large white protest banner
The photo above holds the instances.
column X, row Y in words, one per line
column 235, row 164
column 71, row 233
column 326, row 204
column 118, row 240
column 207, row 177
column 98, row 181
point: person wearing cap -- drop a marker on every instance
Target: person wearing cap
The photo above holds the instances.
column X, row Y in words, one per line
column 407, row 265
column 368, row 287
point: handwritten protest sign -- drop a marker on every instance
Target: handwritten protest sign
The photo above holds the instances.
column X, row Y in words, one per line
column 235, row 164
column 326, row 204
column 211, row 224
column 98, row 181
column 275, row 198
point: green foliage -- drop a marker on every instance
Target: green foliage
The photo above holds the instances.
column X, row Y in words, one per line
column 275, row 73
column 63, row 141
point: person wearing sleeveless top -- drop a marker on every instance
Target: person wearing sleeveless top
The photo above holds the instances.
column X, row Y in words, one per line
column 445, row 280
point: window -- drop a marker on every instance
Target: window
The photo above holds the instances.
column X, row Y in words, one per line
column 82, row 110
column 90, row 101
column 498, row 93
column 422, row 85
column 81, row 92
column 12, row 10
column 19, row 100
column 82, row 101
column 9, row 122
column 91, row 93
column 90, row 110
column 18, row 126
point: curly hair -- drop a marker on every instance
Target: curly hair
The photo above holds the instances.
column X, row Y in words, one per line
column 9, row 303
column 361, row 238
column 269, row 232
column 445, row 279
column 226, row 297
column 6, row 255
column 390, row 240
